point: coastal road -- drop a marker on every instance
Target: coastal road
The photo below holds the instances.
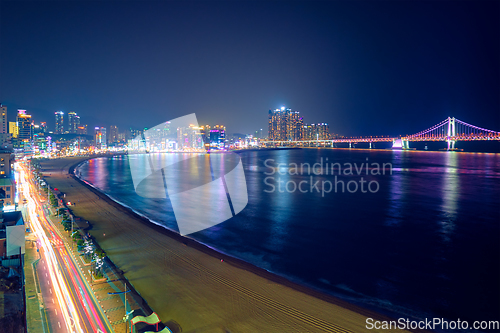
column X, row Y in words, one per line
column 70, row 302
column 53, row 312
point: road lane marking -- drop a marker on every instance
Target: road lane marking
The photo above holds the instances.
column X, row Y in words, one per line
column 55, row 311
column 50, row 291
column 48, row 282
column 52, row 300
column 66, row 274
column 58, row 323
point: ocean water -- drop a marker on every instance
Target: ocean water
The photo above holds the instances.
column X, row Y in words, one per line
column 407, row 233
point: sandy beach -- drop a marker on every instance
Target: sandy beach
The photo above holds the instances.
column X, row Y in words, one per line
column 187, row 283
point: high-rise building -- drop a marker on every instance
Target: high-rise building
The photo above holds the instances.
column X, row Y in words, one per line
column 195, row 137
column 294, row 126
column 37, row 129
column 40, row 129
column 205, row 133
column 100, row 138
column 7, row 182
column 309, row 132
column 13, row 129
column 277, row 124
column 73, row 122
column 24, row 126
column 190, row 138
column 218, row 136
column 323, row 132
column 133, row 134
column 77, row 123
column 285, row 125
column 59, row 122
column 316, row 132
column 113, row 134
column 3, row 119
column 82, row 129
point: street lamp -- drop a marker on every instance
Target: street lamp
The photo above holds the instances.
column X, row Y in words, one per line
column 127, row 314
column 88, row 251
column 72, row 241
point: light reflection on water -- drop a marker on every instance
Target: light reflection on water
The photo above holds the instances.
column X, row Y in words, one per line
column 451, row 191
column 397, row 197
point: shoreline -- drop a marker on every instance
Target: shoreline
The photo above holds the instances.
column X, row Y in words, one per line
column 299, row 290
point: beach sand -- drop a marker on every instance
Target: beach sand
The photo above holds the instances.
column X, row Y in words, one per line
column 186, row 283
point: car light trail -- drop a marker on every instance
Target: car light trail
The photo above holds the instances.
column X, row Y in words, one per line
column 78, row 305
column 66, row 305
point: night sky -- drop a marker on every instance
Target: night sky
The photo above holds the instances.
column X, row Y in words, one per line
column 366, row 68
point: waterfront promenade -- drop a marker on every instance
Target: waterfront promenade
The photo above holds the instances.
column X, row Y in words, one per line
column 188, row 285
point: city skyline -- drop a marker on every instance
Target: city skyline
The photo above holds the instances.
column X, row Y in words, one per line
column 35, row 139
column 394, row 66
column 284, row 124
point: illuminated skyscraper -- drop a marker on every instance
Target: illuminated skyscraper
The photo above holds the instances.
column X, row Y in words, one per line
column 59, row 122
column 189, row 138
column 113, row 134
column 218, row 136
column 294, row 126
column 285, row 125
column 37, row 129
column 205, row 133
column 24, row 126
column 82, row 129
column 3, row 120
column 13, row 129
column 73, row 122
column 277, row 124
column 323, row 132
column 316, row 132
column 132, row 134
column 309, row 132
column 100, row 138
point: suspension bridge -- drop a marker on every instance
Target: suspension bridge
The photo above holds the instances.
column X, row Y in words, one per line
column 449, row 130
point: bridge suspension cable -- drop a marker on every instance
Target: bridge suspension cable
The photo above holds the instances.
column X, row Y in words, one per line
column 454, row 128
column 465, row 129
column 432, row 131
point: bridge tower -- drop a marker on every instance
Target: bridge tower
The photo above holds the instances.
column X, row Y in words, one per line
column 400, row 144
column 451, row 133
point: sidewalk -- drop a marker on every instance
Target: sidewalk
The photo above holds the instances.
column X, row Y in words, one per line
column 35, row 310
